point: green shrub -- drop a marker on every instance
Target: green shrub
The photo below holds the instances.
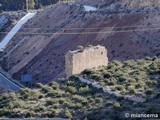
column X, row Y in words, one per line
column 119, row 88
column 154, row 66
column 118, row 74
column 29, row 114
column 40, row 108
column 78, row 106
column 62, row 100
column 47, row 89
column 154, row 58
column 88, row 72
column 51, row 101
column 13, row 95
column 51, row 114
column 33, row 95
column 137, row 86
column 122, row 79
column 52, row 94
column 107, row 75
column 55, row 106
column 24, row 91
column 132, row 91
column 116, row 105
column 41, row 96
column 71, row 90
column 141, row 62
column 66, row 94
column 111, row 66
column 67, row 114
column 106, row 81
column 39, row 85
column 70, row 83
column 4, row 97
column 17, row 104
column 54, row 85
column 4, row 112
column 84, row 89
column 96, row 77
column 131, row 80
column 98, row 100
column 117, row 63
column 112, row 83
column 80, row 99
column 148, row 58
column 67, row 104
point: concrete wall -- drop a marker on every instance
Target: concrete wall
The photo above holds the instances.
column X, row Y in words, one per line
column 90, row 57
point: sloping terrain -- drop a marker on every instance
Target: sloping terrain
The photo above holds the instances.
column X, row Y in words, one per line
column 121, row 3
column 14, row 30
column 71, row 98
column 7, row 21
column 129, row 30
column 3, row 90
column 132, row 79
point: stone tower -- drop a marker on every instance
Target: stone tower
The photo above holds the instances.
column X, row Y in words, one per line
column 90, row 57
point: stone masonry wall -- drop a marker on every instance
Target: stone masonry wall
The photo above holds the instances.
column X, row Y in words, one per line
column 90, row 57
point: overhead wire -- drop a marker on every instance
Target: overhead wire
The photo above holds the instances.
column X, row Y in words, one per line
column 72, row 28
column 85, row 33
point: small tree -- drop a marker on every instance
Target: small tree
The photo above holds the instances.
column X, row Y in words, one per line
column 31, row 4
column 68, row 114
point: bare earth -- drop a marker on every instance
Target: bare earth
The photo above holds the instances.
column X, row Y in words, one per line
column 42, row 53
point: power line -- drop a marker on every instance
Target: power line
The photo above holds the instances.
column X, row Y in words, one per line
column 85, row 33
column 92, row 27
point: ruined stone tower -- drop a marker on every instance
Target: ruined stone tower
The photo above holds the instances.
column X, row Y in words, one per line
column 90, row 57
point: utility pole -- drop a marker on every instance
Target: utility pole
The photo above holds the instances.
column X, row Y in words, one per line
column 27, row 6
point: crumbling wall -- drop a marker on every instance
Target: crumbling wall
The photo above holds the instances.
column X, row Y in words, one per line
column 90, row 57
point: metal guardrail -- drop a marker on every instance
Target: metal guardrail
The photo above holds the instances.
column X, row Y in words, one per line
column 5, row 74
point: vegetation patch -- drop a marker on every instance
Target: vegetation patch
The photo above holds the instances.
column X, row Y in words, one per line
column 132, row 77
column 73, row 99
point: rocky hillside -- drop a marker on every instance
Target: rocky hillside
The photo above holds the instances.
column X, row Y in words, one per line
column 129, row 30
column 121, row 3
